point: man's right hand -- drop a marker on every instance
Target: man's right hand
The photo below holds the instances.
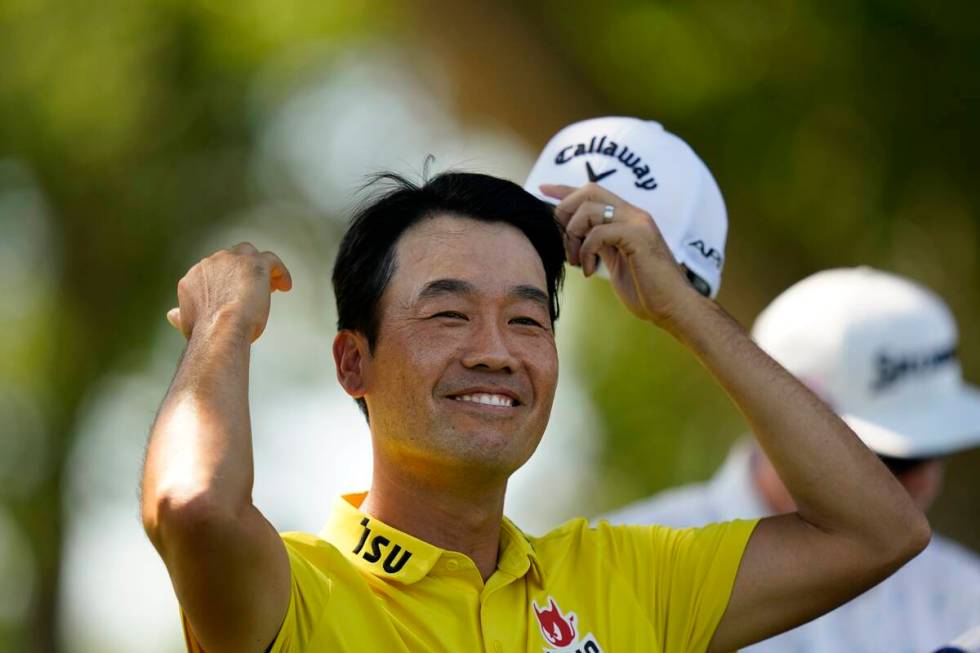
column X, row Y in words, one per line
column 234, row 282
column 229, row 568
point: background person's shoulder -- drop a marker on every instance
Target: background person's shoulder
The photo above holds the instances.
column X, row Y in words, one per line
column 948, row 557
column 688, row 505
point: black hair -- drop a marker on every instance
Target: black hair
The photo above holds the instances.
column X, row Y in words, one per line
column 366, row 258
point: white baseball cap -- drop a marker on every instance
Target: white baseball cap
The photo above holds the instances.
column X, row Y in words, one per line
column 881, row 350
column 648, row 167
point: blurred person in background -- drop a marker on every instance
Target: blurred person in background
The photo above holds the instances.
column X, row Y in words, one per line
column 881, row 351
column 447, row 297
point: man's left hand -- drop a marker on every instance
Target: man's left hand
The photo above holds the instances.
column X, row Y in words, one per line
column 641, row 266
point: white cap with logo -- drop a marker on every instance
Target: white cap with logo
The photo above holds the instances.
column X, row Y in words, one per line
column 651, row 168
column 881, row 350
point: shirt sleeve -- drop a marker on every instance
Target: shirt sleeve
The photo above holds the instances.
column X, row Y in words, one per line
column 308, row 597
column 684, row 577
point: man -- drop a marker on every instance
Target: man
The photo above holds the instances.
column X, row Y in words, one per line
column 880, row 350
column 447, row 300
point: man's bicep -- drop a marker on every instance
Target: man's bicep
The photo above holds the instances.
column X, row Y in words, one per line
column 790, row 573
column 232, row 579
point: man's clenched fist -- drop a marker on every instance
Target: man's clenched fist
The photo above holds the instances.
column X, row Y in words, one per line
column 233, row 284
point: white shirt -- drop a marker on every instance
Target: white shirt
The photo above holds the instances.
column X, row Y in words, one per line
column 925, row 604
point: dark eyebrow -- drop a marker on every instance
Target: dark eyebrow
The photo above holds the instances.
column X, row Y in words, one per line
column 441, row 287
column 532, row 293
column 447, row 287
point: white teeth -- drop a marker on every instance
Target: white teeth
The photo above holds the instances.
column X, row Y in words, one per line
column 488, row 399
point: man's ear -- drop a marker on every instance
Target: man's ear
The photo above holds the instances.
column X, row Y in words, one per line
column 350, row 354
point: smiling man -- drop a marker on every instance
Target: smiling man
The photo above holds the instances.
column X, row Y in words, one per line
column 447, row 298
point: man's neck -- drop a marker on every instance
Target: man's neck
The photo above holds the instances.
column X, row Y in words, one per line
column 465, row 520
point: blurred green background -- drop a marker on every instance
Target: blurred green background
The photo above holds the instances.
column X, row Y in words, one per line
column 136, row 137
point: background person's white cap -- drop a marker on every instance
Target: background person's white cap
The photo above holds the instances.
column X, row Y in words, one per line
column 881, row 350
column 649, row 167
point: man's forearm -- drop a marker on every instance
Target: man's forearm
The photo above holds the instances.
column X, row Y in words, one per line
column 837, row 483
column 200, row 445
column 228, row 566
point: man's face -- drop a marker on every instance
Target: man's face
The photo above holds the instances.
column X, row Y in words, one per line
column 464, row 370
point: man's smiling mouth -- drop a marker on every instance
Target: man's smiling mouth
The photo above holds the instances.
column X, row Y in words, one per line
column 487, row 399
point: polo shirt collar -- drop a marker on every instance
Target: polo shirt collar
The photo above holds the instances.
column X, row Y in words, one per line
column 517, row 556
column 381, row 550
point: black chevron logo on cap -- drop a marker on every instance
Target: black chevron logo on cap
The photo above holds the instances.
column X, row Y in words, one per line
column 593, row 176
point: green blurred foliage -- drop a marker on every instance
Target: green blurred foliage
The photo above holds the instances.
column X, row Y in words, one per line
column 666, row 421
column 135, row 121
column 841, row 133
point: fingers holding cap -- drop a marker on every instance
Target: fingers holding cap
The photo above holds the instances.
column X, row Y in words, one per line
column 590, row 192
column 601, row 237
column 589, row 214
column 556, row 191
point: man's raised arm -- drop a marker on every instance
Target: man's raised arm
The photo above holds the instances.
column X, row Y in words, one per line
column 228, row 566
column 855, row 523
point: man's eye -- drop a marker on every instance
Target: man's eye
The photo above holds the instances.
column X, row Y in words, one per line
column 529, row 321
column 450, row 314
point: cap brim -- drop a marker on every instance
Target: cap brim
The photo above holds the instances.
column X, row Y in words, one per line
column 947, row 425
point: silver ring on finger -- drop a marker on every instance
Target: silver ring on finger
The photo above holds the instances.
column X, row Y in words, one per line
column 607, row 213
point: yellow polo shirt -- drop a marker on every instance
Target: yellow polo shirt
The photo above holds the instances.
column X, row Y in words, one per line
column 365, row 587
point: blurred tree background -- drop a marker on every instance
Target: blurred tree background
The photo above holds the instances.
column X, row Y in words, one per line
column 841, row 133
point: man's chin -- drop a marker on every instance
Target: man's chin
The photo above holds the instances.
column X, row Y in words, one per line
column 492, row 449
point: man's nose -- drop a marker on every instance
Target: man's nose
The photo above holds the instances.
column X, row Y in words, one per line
column 488, row 350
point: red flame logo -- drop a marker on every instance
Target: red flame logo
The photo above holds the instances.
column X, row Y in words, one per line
column 558, row 629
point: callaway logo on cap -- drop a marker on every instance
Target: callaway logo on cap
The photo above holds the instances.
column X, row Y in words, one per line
column 648, row 167
column 881, row 350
